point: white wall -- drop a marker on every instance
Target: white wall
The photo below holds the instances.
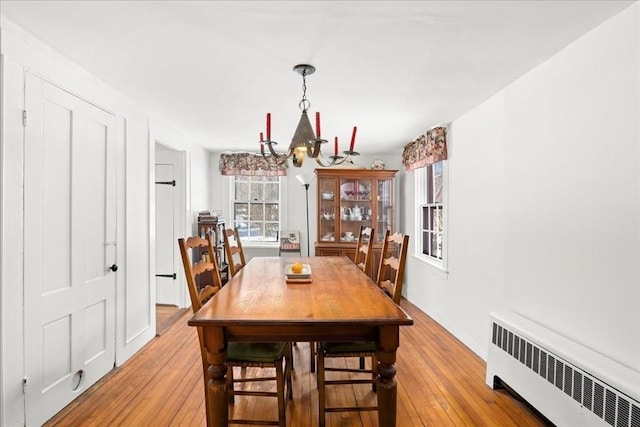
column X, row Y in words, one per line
column 135, row 307
column 544, row 201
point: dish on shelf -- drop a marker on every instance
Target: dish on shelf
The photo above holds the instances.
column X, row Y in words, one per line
column 349, row 239
column 304, row 274
column 327, row 195
column 354, row 191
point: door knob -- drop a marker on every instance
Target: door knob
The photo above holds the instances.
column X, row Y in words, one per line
column 114, row 267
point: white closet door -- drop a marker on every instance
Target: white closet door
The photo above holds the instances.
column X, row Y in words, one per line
column 70, row 232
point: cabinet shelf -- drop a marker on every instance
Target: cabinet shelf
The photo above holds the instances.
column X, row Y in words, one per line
column 214, row 227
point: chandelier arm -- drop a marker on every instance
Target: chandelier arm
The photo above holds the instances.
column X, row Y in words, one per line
column 271, row 150
column 335, row 160
column 279, row 157
column 316, row 147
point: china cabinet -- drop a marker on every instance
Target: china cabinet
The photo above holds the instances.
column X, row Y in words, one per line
column 349, row 198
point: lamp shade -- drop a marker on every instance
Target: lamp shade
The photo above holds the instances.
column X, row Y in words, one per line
column 306, row 179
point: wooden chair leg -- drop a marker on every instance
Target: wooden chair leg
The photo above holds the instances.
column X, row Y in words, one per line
column 287, row 373
column 291, row 345
column 313, row 351
column 230, row 388
column 322, row 397
column 281, row 398
column 374, row 368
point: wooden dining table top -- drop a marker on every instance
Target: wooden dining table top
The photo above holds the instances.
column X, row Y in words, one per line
column 339, row 295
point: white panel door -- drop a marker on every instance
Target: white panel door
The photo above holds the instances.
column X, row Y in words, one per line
column 70, row 232
column 166, row 243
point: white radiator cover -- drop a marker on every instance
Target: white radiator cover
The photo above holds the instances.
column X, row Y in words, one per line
column 566, row 382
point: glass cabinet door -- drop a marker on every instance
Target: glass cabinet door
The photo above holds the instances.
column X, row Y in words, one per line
column 385, row 212
column 355, row 207
column 327, row 203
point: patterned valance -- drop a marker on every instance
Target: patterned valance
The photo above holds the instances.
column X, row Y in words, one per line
column 250, row 164
column 426, row 149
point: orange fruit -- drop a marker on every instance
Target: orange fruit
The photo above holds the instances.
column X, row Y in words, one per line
column 297, row 268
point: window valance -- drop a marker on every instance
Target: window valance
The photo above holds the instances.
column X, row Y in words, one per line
column 426, row 149
column 249, row 164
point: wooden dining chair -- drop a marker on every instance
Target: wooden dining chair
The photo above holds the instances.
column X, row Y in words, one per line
column 239, row 354
column 234, row 251
column 392, row 262
column 390, row 276
column 364, row 249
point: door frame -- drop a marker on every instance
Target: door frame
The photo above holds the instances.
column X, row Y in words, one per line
column 168, row 153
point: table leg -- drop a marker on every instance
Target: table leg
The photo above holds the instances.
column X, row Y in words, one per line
column 387, row 386
column 217, row 397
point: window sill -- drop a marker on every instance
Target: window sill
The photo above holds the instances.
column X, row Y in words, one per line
column 438, row 267
column 266, row 245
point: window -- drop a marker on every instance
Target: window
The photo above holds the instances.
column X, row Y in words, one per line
column 256, row 207
column 431, row 201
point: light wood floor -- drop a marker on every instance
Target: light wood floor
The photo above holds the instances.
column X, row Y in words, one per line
column 440, row 383
column 166, row 316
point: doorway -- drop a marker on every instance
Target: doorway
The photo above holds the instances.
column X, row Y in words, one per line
column 170, row 208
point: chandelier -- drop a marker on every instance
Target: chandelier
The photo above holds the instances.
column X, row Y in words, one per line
column 306, row 142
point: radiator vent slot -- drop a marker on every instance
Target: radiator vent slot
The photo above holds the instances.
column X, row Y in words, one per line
column 614, row 407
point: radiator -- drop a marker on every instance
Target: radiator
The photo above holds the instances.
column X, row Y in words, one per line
column 566, row 382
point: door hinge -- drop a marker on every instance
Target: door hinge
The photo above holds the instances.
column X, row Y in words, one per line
column 24, row 385
column 24, row 118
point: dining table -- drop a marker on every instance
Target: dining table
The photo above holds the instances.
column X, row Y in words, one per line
column 338, row 302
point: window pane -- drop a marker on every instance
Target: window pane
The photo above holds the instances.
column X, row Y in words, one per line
column 271, row 192
column 271, row 231
column 425, row 242
column 242, row 191
column 437, row 182
column 436, row 245
column 256, row 230
column 241, row 211
column 257, row 191
column 256, row 212
column 429, row 175
column 437, row 219
column 425, row 218
column 271, row 212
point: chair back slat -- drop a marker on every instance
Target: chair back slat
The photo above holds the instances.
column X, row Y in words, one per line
column 364, row 249
column 392, row 264
column 234, row 250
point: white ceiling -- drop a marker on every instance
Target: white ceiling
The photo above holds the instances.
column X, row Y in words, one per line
column 213, row 69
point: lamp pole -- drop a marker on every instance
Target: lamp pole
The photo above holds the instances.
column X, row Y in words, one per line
column 306, row 192
column 306, row 180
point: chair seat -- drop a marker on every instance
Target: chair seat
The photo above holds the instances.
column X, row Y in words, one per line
column 255, row 351
column 348, row 347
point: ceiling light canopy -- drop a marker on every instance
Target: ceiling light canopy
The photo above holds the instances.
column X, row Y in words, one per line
column 306, row 142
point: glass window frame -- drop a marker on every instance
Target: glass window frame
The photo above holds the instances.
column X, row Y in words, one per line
column 425, row 229
column 247, row 241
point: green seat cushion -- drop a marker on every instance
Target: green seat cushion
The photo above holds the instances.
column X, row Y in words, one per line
column 348, row 347
column 255, row 351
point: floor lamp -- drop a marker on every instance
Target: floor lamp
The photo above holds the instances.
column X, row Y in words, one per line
column 306, row 180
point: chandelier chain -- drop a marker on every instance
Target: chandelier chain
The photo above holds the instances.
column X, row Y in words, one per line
column 304, row 104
